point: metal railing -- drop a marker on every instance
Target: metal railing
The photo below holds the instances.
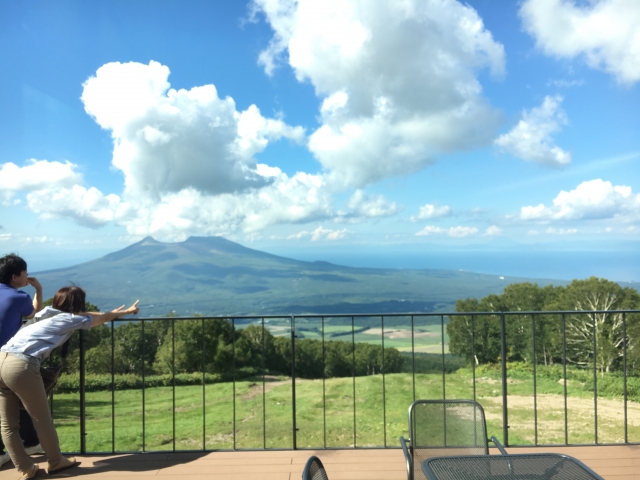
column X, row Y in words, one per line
column 338, row 381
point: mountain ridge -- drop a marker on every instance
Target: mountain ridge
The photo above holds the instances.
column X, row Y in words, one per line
column 216, row 276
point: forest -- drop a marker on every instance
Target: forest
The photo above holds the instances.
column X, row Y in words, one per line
column 216, row 347
column 605, row 339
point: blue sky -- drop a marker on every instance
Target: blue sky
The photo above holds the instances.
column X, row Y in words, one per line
column 313, row 127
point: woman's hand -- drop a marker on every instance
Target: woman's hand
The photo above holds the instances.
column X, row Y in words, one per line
column 119, row 312
column 132, row 310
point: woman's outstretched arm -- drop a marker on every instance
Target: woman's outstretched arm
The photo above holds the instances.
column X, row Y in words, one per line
column 100, row 318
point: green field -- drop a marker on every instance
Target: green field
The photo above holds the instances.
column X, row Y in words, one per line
column 328, row 413
column 427, row 338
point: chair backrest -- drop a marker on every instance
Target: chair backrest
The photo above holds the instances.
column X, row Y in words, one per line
column 445, row 427
column 314, row 470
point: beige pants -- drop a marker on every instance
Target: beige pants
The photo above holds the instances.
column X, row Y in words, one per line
column 20, row 380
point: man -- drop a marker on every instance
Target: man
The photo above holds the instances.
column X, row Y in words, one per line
column 14, row 306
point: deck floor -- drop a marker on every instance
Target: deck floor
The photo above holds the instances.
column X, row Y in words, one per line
column 612, row 462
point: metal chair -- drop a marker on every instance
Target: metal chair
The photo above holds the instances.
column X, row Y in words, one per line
column 314, row 470
column 443, row 428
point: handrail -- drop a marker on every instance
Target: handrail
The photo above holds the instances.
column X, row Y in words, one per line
column 293, row 328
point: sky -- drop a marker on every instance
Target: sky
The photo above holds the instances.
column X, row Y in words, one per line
column 319, row 127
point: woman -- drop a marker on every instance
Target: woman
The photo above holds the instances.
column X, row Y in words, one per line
column 20, row 378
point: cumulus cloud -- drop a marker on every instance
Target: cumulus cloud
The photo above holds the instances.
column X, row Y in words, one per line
column 166, row 140
column 452, row 231
column 397, row 80
column 606, row 33
column 591, row 200
column 320, row 233
column 188, row 162
column 88, row 207
column 493, row 231
column 361, row 206
column 36, row 175
column 531, row 138
column 297, row 199
column 431, row 211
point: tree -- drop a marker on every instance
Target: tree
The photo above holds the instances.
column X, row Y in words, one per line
column 131, row 351
column 475, row 337
column 521, row 330
column 194, row 345
column 600, row 334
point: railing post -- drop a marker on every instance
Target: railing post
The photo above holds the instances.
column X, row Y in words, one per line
column 503, row 354
column 294, row 429
column 83, row 426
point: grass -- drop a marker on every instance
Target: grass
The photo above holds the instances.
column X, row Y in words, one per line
column 340, row 412
column 427, row 338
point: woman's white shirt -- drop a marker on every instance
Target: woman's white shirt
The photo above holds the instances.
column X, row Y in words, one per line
column 51, row 329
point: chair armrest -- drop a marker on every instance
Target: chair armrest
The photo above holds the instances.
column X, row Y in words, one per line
column 499, row 445
column 407, row 457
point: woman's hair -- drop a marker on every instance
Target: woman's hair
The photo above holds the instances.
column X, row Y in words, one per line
column 69, row 299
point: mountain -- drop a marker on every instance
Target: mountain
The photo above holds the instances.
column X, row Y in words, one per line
column 212, row 275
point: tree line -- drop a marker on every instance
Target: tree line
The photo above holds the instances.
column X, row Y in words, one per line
column 213, row 345
column 605, row 338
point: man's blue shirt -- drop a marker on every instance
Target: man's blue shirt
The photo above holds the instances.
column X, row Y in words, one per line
column 14, row 304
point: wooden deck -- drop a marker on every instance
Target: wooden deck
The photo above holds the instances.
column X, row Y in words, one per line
column 616, row 463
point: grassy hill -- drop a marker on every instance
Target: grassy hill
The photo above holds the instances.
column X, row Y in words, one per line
column 204, row 418
column 212, row 275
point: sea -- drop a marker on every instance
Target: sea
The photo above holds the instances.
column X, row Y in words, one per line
column 619, row 266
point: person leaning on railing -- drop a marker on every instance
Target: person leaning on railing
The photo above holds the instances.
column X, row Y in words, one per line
column 16, row 307
column 20, row 378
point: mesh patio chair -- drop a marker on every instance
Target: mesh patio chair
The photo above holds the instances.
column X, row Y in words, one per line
column 314, row 470
column 442, row 428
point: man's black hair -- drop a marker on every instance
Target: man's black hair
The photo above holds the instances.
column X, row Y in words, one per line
column 11, row 265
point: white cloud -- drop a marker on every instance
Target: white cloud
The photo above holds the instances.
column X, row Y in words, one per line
column 591, row 200
column 606, row 33
column 188, row 162
column 397, row 80
column 88, row 207
column 320, row 233
column 531, row 138
column 562, row 83
column 452, row 231
column 42, row 239
column 431, row 211
column 35, row 175
column 430, row 230
column 167, row 140
column 296, row 199
column 561, row 231
column 462, row 231
column 362, row 206
column 493, row 231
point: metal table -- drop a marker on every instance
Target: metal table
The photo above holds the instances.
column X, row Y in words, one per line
column 531, row 466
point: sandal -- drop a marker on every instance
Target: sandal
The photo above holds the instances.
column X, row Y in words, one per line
column 65, row 464
column 31, row 472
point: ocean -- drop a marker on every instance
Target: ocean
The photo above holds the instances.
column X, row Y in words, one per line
column 619, row 266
